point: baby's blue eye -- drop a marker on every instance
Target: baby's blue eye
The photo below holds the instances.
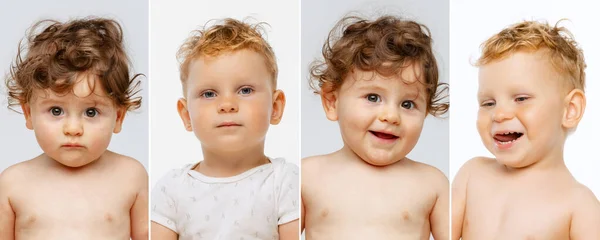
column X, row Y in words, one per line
column 246, row 91
column 209, row 94
column 373, row 98
column 91, row 112
column 408, row 104
column 56, row 111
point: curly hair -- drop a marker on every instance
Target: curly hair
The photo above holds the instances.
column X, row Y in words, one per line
column 227, row 35
column 386, row 45
column 565, row 54
column 53, row 58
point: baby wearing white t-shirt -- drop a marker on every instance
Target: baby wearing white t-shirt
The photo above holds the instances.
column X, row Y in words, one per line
column 230, row 98
column 247, row 206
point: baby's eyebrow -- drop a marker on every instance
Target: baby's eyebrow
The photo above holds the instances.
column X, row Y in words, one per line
column 49, row 100
column 371, row 87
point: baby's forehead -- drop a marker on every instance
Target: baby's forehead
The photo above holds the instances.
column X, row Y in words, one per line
column 408, row 78
column 521, row 68
column 86, row 87
column 231, row 66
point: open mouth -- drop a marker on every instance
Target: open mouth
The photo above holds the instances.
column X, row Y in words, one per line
column 507, row 137
column 384, row 135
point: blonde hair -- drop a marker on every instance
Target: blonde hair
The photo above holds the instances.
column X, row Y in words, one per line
column 565, row 54
column 227, row 35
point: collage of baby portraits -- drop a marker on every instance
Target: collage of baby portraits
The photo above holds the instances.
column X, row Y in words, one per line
column 299, row 120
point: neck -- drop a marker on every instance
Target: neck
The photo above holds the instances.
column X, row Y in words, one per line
column 219, row 163
column 552, row 161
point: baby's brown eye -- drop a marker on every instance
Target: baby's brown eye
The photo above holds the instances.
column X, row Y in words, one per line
column 408, row 104
column 56, row 111
column 373, row 98
column 91, row 112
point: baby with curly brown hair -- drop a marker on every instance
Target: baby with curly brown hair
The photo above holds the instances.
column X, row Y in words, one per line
column 378, row 80
column 72, row 82
column 531, row 96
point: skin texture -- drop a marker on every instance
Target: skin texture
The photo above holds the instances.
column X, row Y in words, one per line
column 216, row 93
column 74, row 192
column 369, row 189
column 527, row 192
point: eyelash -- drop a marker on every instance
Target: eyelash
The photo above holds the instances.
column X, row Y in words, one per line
column 490, row 103
column 214, row 94
column 95, row 111
column 378, row 99
column 412, row 104
column 368, row 96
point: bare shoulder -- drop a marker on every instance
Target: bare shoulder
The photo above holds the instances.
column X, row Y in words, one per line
column 126, row 166
column 584, row 200
column 312, row 164
column 477, row 164
column 429, row 171
column 18, row 171
column 431, row 174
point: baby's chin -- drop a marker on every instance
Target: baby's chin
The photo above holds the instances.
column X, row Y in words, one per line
column 381, row 160
column 74, row 162
column 515, row 162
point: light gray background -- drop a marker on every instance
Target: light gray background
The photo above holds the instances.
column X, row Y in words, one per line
column 171, row 23
column 17, row 143
column 321, row 136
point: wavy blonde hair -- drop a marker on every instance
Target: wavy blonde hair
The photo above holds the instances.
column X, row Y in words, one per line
column 227, row 35
column 565, row 54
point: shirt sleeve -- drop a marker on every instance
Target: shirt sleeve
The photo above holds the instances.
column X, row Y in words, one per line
column 164, row 203
column 289, row 194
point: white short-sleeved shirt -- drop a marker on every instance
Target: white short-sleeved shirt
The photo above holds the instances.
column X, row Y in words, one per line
column 248, row 206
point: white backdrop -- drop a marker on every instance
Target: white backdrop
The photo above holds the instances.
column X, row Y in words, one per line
column 17, row 143
column 171, row 23
column 472, row 22
column 321, row 136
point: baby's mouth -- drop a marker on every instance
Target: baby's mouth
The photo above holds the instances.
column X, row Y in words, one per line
column 507, row 137
column 383, row 135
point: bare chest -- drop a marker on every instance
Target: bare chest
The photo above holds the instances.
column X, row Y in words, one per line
column 369, row 206
column 515, row 211
column 59, row 210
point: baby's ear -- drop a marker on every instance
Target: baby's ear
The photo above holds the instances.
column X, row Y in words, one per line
column 329, row 101
column 184, row 114
column 278, row 107
column 27, row 113
column 121, row 112
column 574, row 108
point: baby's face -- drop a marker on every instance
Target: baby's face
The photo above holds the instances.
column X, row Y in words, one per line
column 74, row 129
column 520, row 108
column 229, row 100
column 381, row 118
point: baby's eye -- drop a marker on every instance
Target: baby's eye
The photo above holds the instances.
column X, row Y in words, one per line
column 56, row 111
column 91, row 112
column 408, row 104
column 488, row 104
column 521, row 99
column 373, row 98
column 246, row 91
column 208, row 94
